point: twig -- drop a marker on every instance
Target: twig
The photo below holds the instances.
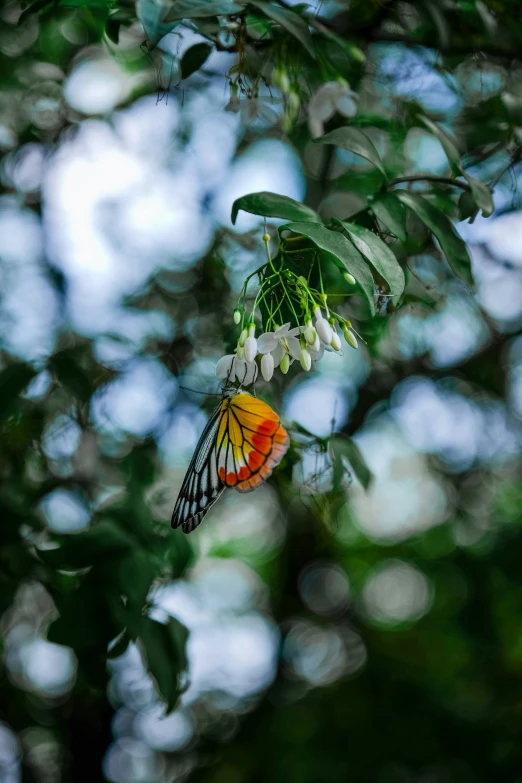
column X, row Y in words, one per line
column 430, row 178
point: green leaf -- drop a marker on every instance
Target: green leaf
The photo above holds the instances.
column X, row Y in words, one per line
column 135, row 573
column 346, row 447
column 152, row 15
column 33, row 9
column 378, row 255
column 113, row 30
column 354, row 140
column 344, row 253
column 95, row 18
column 448, row 145
column 194, row 9
column 467, row 207
column 119, row 645
column 351, row 50
column 67, row 370
column 84, row 3
column 291, row 21
column 258, row 27
column 164, row 656
column 194, row 58
column 388, row 209
column 179, row 555
column 80, row 550
column 481, row 194
column 14, row 379
column 87, row 620
column 269, row 204
column 453, row 247
column 513, row 106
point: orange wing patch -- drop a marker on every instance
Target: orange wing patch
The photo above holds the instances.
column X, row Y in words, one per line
column 250, row 442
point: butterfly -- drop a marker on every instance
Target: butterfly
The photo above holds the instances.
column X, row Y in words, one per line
column 240, row 446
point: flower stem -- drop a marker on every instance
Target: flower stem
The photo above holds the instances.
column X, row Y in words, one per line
column 270, row 261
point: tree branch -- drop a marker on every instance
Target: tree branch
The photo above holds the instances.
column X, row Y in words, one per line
column 430, row 178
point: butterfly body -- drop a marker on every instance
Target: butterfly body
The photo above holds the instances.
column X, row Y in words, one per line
column 240, row 446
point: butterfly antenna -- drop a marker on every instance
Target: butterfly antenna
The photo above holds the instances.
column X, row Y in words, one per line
column 197, row 391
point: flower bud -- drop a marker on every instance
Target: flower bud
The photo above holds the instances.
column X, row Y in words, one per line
column 310, row 335
column 317, row 344
column 267, row 366
column 240, row 352
column 285, row 364
column 237, row 316
column 335, row 342
column 324, row 330
column 266, row 237
column 287, row 124
column 349, row 278
column 250, row 348
column 281, row 80
column 294, row 102
column 349, row 337
column 305, row 359
column 242, row 338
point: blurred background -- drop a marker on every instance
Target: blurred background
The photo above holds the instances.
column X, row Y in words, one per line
column 309, row 631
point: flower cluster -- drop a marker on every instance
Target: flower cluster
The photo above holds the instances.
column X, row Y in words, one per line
column 283, row 292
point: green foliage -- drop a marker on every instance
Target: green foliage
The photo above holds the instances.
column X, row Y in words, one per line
column 354, row 140
column 290, row 20
column 196, row 9
column 388, row 209
column 452, row 245
column 194, row 58
column 273, row 205
column 378, row 255
column 433, row 696
column 13, row 381
column 341, row 251
column 347, row 448
column 164, row 652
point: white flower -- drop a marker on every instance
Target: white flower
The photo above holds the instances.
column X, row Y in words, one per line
column 316, row 354
column 267, row 366
column 322, row 327
column 252, row 108
column 231, row 367
column 329, row 98
column 280, row 343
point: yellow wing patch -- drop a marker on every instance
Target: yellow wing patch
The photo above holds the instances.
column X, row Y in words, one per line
column 250, row 442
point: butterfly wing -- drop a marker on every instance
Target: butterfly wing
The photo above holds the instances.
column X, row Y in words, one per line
column 201, row 486
column 250, row 442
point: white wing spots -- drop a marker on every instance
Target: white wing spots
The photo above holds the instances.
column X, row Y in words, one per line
column 201, row 486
